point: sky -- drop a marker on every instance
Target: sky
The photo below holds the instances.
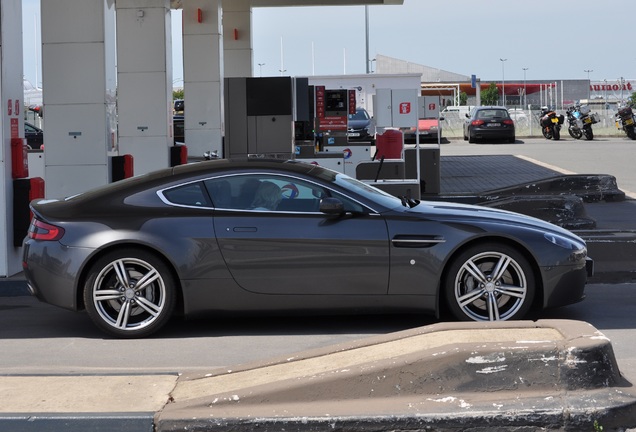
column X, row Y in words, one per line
column 552, row 39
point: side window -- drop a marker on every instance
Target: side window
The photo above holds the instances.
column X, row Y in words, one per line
column 265, row 192
column 191, row 194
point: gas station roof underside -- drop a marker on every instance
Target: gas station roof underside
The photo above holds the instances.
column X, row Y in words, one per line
column 178, row 4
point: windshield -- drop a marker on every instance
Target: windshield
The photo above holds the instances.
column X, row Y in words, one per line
column 359, row 188
column 359, row 115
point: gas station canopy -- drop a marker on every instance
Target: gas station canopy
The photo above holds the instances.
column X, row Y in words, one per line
column 178, row 4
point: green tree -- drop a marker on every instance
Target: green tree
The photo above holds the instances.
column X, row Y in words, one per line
column 463, row 98
column 177, row 94
column 490, row 96
column 632, row 99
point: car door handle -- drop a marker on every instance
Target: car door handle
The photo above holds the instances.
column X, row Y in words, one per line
column 416, row 241
column 244, row 229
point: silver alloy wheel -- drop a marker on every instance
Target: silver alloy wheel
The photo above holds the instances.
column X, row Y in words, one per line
column 490, row 286
column 129, row 294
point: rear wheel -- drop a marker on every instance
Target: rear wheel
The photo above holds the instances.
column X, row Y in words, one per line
column 129, row 293
column 471, row 138
column 556, row 133
column 589, row 134
column 489, row 282
column 631, row 132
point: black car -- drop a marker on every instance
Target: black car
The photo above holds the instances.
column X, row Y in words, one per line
column 285, row 237
column 34, row 136
column 360, row 126
column 489, row 123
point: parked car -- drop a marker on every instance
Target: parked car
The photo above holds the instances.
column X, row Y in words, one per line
column 430, row 130
column 191, row 240
column 489, row 123
column 34, row 136
column 360, row 126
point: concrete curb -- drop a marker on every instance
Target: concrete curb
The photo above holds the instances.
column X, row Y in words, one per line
column 555, row 373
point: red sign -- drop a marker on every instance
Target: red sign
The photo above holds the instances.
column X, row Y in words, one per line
column 333, row 123
column 352, row 102
column 320, row 101
column 15, row 130
column 431, row 107
column 405, row 107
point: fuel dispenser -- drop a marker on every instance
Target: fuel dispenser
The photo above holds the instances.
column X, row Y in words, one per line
column 333, row 109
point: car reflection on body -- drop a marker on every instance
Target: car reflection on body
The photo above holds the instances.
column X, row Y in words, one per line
column 489, row 123
column 198, row 239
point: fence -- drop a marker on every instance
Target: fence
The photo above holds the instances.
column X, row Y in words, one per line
column 527, row 123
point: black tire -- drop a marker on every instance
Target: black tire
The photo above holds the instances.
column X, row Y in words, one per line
column 589, row 133
column 471, row 138
column 512, row 140
column 631, row 132
column 556, row 133
column 119, row 299
column 547, row 132
column 472, row 288
column 575, row 133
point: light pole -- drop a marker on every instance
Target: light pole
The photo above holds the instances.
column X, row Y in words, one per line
column 588, row 82
column 525, row 92
column 503, row 81
column 260, row 68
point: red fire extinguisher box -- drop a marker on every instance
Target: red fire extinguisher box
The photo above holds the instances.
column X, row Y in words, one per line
column 24, row 191
column 19, row 158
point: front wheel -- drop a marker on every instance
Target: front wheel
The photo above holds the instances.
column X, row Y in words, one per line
column 129, row 293
column 575, row 133
column 489, row 282
column 547, row 132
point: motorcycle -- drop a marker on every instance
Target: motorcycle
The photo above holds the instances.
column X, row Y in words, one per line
column 580, row 121
column 625, row 120
column 551, row 123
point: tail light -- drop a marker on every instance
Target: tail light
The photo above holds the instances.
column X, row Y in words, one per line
column 40, row 230
column 508, row 122
column 477, row 122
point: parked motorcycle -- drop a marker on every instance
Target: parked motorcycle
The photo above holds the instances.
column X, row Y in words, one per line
column 551, row 123
column 625, row 121
column 580, row 121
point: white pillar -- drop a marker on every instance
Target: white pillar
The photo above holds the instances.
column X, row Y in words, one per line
column 237, row 40
column 144, row 75
column 12, row 124
column 78, row 46
column 203, row 76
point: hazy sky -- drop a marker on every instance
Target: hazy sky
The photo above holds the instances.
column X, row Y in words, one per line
column 553, row 39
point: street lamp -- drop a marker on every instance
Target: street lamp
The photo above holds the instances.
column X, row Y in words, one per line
column 260, row 68
column 525, row 92
column 503, row 81
column 588, row 82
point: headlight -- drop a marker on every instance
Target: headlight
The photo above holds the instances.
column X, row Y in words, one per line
column 563, row 242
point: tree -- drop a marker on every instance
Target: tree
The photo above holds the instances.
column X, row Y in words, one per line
column 177, row 94
column 632, row 99
column 490, row 96
column 463, row 98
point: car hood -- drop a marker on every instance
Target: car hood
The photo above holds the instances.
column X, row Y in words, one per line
column 465, row 212
column 358, row 124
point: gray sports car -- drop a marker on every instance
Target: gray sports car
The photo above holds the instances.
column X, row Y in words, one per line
column 281, row 237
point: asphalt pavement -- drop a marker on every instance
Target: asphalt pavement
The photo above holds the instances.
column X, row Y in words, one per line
column 561, row 375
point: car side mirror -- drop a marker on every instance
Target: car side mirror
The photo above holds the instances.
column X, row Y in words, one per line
column 441, row 119
column 331, row 206
column 467, row 116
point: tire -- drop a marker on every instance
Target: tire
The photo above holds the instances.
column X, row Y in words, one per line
column 471, row 290
column 556, row 134
column 575, row 133
column 512, row 140
column 471, row 138
column 589, row 133
column 118, row 304
column 547, row 133
column 631, row 132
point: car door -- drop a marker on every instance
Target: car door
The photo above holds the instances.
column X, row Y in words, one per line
column 294, row 248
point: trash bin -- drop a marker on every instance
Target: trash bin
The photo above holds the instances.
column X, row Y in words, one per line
column 389, row 145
